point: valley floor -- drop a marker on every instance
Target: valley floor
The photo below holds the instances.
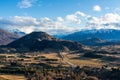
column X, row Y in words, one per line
column 57, row 66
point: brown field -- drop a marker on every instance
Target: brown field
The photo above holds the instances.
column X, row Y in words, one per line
column 72, row 58
column 77, row 60
column 51, row 55
column 12, row 77
column 32, row 57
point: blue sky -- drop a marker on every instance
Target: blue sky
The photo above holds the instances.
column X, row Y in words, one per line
column 49, row 15
column 55, row 8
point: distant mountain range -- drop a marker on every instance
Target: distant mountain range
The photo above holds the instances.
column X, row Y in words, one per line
column 18, row 32
column 7, row 37
column 86, row 37
column 95, row 37
column 105, row 34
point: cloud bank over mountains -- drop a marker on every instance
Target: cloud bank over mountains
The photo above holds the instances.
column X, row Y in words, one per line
column 61, row 25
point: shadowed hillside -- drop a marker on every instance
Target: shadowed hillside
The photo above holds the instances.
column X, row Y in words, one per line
column 41, row 41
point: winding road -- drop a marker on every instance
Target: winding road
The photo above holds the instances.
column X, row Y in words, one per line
column 69, row 63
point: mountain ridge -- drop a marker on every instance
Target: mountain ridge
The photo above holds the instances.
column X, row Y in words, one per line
column 105, row 34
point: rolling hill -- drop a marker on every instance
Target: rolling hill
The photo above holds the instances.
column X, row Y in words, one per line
column 41, row 41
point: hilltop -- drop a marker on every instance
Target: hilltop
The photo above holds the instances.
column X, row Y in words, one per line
column 41, row 41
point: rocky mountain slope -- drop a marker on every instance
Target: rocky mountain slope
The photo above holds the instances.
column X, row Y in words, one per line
column 7, row 37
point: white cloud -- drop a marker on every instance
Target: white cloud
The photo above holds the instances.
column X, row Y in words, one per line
column 26, row 3
column 60, row 19
column 62, row 25
column 26, row 29
column 73, row 18
column 97, row 8
column 108, row 21
column 28, row 24
column 80, row 13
